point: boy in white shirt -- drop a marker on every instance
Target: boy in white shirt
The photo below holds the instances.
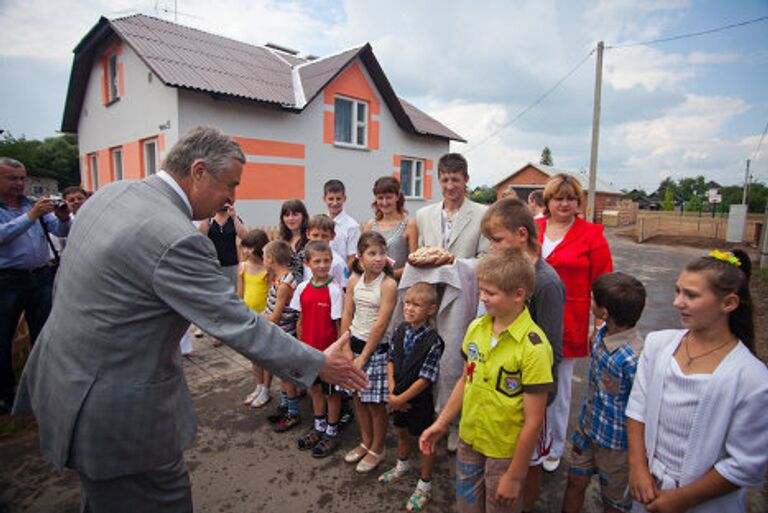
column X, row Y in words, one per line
column 347, row 230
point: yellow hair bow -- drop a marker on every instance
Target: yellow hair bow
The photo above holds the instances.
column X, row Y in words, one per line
column 725, row 256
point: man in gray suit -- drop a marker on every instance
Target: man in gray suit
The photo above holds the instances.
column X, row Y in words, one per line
column 104, row 379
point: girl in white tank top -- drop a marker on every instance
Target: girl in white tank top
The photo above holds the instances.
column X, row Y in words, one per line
column 368, row 306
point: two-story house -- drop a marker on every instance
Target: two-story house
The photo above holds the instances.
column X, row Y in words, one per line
column 138, row 83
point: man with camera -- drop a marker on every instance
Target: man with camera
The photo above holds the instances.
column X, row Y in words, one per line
column 26, row 276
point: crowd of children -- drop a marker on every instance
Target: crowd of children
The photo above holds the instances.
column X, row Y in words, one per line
column 674, row 423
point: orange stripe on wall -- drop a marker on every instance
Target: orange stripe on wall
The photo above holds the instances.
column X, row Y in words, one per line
column 428, row 165
column 271, row 182
column 104, row 90
column 428, row 186
column 373, row 135
column 396, row 174
column 327, row 127
column 396, row 161
column 105, row 172
column 161, row 141
column 267, row 148
column 132, row 167
column 120, row 81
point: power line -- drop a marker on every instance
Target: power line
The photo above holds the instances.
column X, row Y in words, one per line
column 757, row 150
column 692, row 34
column 532, row 105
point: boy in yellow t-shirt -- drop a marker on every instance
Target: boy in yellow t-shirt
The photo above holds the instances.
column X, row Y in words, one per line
column 502, row 393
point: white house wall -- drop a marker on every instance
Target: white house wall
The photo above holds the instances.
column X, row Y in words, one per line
column 146, row 109
column 357, row 168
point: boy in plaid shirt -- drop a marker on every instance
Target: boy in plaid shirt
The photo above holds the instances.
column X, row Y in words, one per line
column 600, row 440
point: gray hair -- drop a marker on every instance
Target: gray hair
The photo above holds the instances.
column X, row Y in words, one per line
column 9, row 162
column 203, row 142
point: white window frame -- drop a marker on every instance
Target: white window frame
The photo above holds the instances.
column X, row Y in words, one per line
column 150, row 167
column 113, row 78
column 414, row 189
column 357, row 105
column 93, row 169
column 117, row 163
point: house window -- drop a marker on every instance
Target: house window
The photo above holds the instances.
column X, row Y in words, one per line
column 412, row 177
column 94, row 169
column 113, row 81
column 350, row 122
column 117, row 164
column 151, row 163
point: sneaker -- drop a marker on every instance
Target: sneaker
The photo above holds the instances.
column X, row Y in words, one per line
column 250, row 397
column 346, row 418
column 419, row 499
column 262, row 399
column 394, row 475
column 310, row 440
column 286, row 423
column 280, row 412
column 551, row 464
column 325, row 446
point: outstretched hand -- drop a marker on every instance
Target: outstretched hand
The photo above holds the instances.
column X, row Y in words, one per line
column 339, row 369
column 429, row 438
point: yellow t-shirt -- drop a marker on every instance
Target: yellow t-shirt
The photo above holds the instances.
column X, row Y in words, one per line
column 255, row 290
column 521, row 361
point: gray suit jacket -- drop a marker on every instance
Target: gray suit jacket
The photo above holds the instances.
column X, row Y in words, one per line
column 104, row 379
column 466, row 240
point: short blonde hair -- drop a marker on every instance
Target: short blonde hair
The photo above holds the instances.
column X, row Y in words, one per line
column 424, row 290
column 508, row 269
column 562, row 185
column 280, row 251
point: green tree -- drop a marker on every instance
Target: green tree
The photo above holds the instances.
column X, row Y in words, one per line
column 546, row 157
column 55, row 157
column 483, row 194
column 668, row 203
column 695, row 204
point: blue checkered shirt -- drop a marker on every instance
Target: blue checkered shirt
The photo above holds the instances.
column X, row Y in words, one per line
column 431, row 366
column 611, row 374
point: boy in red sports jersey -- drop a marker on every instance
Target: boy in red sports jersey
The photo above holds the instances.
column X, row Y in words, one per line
column 320, row 301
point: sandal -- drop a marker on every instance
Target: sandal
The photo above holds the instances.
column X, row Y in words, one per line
column 287, row 422
column 418, row 500
column 393, row 475
column 364, row 466
column 355, row 455
column 325, row 446
column 309, row 440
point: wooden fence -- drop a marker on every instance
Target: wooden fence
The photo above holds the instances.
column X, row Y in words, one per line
column 690, row 224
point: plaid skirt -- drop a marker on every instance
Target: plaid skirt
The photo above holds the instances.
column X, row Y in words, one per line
column 376, row 370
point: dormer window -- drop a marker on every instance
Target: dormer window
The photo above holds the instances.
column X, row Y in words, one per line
column 350, row 122
column 113, row 79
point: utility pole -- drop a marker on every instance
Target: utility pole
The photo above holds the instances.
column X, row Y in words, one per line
column 746, row 185
column 595, row 134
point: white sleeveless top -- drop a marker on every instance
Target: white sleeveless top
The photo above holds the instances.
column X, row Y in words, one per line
column 367, row 298
column 679, row 402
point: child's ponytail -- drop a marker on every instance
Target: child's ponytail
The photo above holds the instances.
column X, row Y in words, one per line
column 729, row 273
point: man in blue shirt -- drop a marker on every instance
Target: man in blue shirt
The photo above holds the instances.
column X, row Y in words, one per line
column 26, row 278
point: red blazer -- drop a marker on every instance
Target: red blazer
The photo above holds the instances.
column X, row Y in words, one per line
column 582, row 256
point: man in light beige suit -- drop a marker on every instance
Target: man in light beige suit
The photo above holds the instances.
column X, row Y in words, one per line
column 104, row 379
column 453, row 224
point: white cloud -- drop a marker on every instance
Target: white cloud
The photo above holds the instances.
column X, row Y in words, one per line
column 686, row 140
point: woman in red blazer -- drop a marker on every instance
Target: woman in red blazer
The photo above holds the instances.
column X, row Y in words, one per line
column 579, row 253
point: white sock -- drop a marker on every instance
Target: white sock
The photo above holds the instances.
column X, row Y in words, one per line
column 258, row 389
column 424, row 486
column 402, row 465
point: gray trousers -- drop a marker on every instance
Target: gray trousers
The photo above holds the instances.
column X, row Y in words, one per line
column 166, row 488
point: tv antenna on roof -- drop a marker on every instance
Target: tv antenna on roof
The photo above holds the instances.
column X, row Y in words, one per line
column 175, row 11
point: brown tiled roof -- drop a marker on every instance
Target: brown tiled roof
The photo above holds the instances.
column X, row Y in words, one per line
column 192, row 59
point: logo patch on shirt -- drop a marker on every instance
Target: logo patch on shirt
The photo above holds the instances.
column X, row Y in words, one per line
column 508, row 383
column 534, row 338
column 472, row 351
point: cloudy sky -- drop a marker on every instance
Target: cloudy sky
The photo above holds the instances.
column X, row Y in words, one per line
column 683, row 108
